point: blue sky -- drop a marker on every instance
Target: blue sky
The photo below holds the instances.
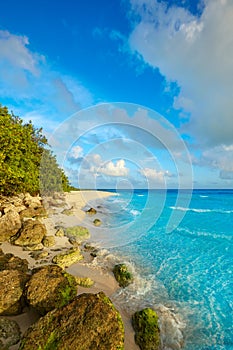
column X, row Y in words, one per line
column 174, row 58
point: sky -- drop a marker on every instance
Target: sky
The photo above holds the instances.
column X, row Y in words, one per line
column 143, row 88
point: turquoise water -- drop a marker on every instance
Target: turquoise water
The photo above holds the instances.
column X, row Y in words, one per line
column 188, row 271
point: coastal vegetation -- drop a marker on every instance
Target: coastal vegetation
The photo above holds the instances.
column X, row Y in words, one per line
column 26, row 162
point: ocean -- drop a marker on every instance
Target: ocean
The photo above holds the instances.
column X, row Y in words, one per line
column 184, row 273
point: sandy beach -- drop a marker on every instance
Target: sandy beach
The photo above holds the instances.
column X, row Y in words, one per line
column 75, row 202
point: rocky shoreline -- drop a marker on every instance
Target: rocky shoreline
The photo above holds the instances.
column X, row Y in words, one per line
column 39, row 281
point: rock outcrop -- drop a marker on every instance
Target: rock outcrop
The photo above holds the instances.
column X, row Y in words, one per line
column 31, row 233
column 145, row 324
column 49, row 288
column 122, row 275
column 89, row 322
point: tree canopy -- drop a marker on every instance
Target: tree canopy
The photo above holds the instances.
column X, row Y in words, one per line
column 23, row 151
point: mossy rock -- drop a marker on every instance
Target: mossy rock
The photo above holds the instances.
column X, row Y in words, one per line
column 91, row 211
column 77, row 234
column 60, row 232
column 97, row 222
column 49, row 288
column 48, row 241
column 84, row 281
column 9, row 333
column 66, row 259
column 145, row 324
column 89, row 322
column 122, row 275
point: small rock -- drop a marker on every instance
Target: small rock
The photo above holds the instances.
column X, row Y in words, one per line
column 84, row 281
column 34, row 247
column 66, row 259
column 9, row 333
column 97, row 222
column 48, row 241
column 60, row 232
column 91, row 211
column 77, row 234
column 67, row 212
column 145, row 324
column 39, row 255
column 122, row 275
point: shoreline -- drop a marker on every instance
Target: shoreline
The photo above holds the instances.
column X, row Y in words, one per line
column 104, row 280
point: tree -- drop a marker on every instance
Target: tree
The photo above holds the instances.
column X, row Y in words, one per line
column 22, row 147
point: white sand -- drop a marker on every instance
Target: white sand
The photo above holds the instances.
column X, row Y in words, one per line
column 104, row 281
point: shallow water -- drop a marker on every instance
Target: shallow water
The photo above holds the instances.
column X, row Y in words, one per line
column 185, row 274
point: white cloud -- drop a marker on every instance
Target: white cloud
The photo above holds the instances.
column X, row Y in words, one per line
column 117, row 170
column 14, row 50
column 196, row 52
column 153, row 174
column 76, row 152
column 220, row 158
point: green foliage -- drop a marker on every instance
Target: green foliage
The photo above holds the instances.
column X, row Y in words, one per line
column 22, row 148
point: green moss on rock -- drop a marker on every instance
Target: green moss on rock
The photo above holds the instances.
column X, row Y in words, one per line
column 89, row 322
column 122, row 275
column 77, row 234
column 49, row 288
column 66, row 259
column 145, row 324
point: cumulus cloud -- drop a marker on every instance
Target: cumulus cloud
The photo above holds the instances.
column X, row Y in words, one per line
column 153, row 174
column 76, row 152
column 196, row 52
column 117, row 170
column 218, row 157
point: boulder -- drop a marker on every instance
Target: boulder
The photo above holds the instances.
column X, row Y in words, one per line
column 11, row 286
column 145, row 324
column 77, row 234
column 11, row 262
column 32, row 232
column 91, row 211
column 9, row 333
column 39, row 212
column 89, row 322
column 97, row 222
column 10, row 224
column 48, row 241
column 32, row 202
column 66, row 259
column 122, row 275
column 50, row 287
